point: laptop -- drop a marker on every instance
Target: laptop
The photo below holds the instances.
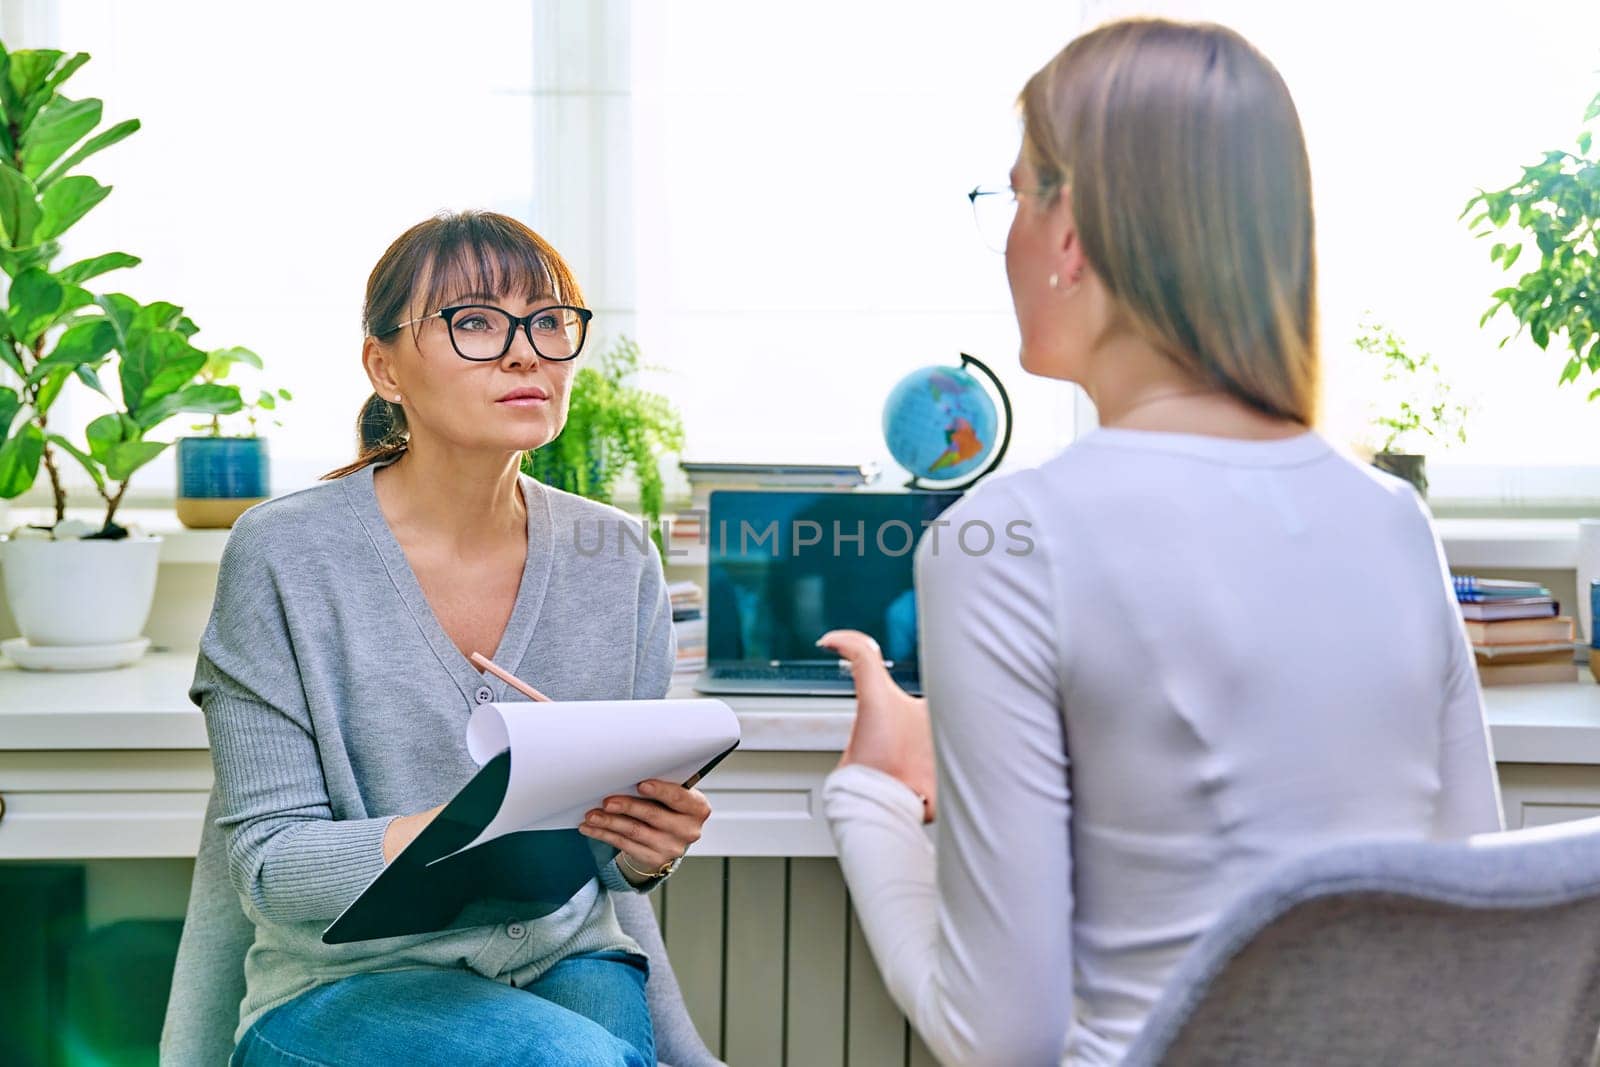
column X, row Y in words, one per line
column 785, row 566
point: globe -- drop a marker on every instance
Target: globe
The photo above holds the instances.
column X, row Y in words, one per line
column 941, row 425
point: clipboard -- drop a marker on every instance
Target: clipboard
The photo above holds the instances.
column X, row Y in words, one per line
column 444, row 881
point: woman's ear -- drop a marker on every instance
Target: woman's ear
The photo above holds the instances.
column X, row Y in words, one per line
column 379, row 364
column 1066, row 240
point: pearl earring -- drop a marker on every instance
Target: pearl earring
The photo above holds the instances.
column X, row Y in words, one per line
column 1055, row 280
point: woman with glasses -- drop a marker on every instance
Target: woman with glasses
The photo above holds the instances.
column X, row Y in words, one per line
column 336, row 679
column 1229, row 643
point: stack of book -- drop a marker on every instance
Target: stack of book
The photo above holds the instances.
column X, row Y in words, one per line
column 1517, row 630
column 689, row 624
column 687, row 526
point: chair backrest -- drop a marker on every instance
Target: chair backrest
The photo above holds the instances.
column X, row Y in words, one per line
column 1485, row 951
column 208, row 980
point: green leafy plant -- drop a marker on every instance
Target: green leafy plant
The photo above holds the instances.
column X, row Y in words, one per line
column 54, row 328
column 612, row 427
column 1556, row 205
column 1414, row 405
column 218, row 365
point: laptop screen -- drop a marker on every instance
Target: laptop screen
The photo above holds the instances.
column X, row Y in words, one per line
column 785, row 567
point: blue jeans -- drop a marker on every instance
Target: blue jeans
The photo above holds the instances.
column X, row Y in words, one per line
column 587, row 1009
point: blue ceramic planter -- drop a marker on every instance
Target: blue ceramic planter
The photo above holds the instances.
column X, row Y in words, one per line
column 220, row 477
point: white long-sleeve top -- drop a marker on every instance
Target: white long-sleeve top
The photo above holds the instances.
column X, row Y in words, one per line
column 1218, row 654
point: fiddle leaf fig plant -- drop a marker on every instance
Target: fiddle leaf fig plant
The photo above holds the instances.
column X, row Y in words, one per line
column 1555, row 206
column 53, row 328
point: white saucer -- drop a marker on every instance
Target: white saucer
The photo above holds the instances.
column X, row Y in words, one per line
column 72, row 657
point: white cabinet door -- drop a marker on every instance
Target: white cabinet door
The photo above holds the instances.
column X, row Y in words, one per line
column 1538, row 794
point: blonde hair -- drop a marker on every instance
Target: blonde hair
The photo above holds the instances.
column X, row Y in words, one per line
column 1191, row 190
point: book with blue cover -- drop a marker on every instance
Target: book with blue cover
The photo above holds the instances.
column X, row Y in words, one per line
column 1474, row 590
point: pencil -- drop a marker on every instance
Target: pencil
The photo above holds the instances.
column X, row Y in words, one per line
column 485, row 663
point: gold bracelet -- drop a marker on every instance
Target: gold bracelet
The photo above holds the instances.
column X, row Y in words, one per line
column 666, row 868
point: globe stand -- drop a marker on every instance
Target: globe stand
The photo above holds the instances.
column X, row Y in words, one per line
column 917, row 482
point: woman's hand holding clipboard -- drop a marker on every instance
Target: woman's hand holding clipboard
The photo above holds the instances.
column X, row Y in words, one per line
column 652, row 831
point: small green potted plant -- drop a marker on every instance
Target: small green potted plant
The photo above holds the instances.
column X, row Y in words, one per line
column 1555, row 205
column 220, row 475
column 1412, row 411
column 79, row 591
column 613, row 428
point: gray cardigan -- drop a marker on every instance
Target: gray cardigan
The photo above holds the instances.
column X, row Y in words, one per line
column 334, row 701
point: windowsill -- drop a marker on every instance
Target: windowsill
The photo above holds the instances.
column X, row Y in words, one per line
column 1513, row 544
column 1470, row 544
column 179, row 544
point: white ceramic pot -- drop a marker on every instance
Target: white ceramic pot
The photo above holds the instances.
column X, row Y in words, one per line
column 81, row 592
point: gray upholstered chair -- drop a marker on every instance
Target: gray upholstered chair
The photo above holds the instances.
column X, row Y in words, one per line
column 208, row 983
column 1484, row 952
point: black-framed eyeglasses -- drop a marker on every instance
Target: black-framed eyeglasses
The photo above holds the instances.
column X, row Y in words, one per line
column 483, row 333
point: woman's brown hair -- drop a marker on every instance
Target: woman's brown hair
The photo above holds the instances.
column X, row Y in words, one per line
column 1191, row 190
column 434, row 261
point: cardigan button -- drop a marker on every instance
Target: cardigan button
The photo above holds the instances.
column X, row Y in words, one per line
column 516, row 931
column 485, row 694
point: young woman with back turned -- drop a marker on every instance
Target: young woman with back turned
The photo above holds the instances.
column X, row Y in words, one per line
column 1230, row 643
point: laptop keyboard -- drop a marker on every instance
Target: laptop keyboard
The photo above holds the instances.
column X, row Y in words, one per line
column 763, row 674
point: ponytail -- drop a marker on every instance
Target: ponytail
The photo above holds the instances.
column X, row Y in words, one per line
column 381, row 435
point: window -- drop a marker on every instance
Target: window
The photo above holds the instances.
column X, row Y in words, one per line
column 1409, row 108
column 770, row 199
column 805, row 239
column 811, row 240
column 283, row 147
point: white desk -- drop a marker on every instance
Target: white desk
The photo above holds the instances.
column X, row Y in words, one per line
column 113, row 764
column 146, row 706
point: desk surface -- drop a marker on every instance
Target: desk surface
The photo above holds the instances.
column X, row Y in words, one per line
column 146, row 706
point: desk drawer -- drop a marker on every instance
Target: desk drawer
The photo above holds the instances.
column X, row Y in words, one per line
column 1539, row 794
column 767, row 804
column 102, row 804
column 100, row 825
column 105, row 770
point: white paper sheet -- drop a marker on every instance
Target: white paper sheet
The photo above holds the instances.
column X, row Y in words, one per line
column 569, row 755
